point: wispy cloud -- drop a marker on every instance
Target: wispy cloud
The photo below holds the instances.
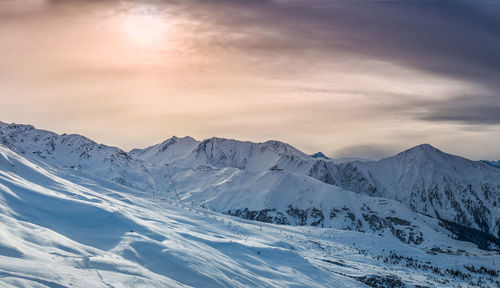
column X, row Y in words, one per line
column 320, row 74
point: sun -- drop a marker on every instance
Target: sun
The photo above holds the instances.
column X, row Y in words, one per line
column 145, row 27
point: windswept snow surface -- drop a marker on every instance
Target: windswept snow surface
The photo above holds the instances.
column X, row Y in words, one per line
column 59, row 233
column 424, row 179
column 80, row 214
column 66, row 229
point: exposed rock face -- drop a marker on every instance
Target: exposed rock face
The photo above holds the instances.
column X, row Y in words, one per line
column 483, row 240
column 382, row 281
column 319, row 155
column 370, row 221
column 266, row 215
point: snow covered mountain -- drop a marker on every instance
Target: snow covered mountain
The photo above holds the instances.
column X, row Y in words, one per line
column 167, row 151
column 220, row 152
column 75, row 152
column 91, row 233
column 277, row 196
column 428, row 181
column 253, row 180
column 68, row 228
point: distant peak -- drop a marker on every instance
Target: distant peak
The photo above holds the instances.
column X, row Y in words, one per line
column 278, row 145
column 424, row 147
column 275, row 146
column 176, row 138
column 185, row 139
column 422, row 151
column 319, row 155
column 169, row 141
column 172, row 140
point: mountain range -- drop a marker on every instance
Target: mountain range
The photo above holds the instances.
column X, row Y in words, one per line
column 420, row 198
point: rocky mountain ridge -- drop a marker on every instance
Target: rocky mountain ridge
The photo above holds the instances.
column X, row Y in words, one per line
column 274, row 182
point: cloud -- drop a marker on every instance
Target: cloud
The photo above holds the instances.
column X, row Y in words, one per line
column 369, row 151
column 450, row 37
column 318, row 74
column 20, row 6
column 457, row 39
column 471, row 110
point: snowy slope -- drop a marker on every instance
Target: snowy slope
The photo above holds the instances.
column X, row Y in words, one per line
column 274, row 182
column 58, row 233
column 65, row 228
column 167, row 151
column 64, row 150
column 428, row 181
column 221, row 152
column 76, row 152
column 277, row 196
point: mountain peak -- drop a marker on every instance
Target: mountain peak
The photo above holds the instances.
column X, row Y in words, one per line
column 221, row 152
column 173, row 140
column 273, row 145
column 425, row 147
column 319, row 155
column 424, row 155
column 422, row 149
column 166, row 151
column 188, row 138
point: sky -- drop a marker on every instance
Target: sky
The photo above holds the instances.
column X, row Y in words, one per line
column 346, row 77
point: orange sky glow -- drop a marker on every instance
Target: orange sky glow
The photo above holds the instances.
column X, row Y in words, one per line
column 131, row 74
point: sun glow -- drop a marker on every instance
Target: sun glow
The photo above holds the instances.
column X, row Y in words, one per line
column 145, row 27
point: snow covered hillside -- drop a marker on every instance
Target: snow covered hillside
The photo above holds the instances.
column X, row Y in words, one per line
column 68, row 228
column 274, row 182
column 428, row 181
column 167, row 151
column 118, row 216
column 222, row 153
column 76, row 152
